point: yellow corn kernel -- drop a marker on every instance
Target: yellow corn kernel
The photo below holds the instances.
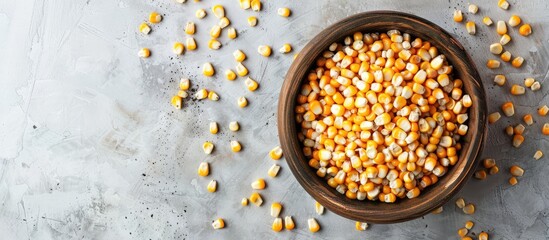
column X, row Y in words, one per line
column 239, row 56
column 499, row 79
column 460, row 203
column 242, row 102
column 144, row 28
column 275, row 153
column 289, row 223
column 178, row 48
column 496, row 48
column 525, row 30
column 528, row 82
column 514, row 21
column 144, row 53
column 251, row 84
column 207, row 147
column 513, row 181
column 501, row 27
column 313, row 225
column 182, row 94
column 235, row 146
column 508, row 109
column 517, row 140
column 264, row 50
column 458, row 16
column 543, row 110
column 241, row 70
column 252, row 21
column 517, row 89
column 277, row 224
column 361, row 226
column 215, row 32
column 218, row 11
column 200, row 13
column 319, row 209
column 256, row 5
column 545, row 129
column 276, row 208
column 286, row 48
column 506, row 56
column 517, row 62
column 473, row 8
column 213, row 128
column 494, row 117
column 493, row 170
column 483, row 236
column 190, row 28
column 177, row 102
column 154, row 17
column 218, row 224
column 438, row 210
column 201, row 94
column 244, row 202
column 224, row 22
column 234, row 126
column 212, row 186
column 471, row 27
column 245, row 4
column 231, row 33
column 528, row 119
column 469, row 209
column 284, row 12
column 180, row 1
column 256, row 199
column 258, row 184
column 204, row 169
column 462, row 232
column 214, row 44
column 503, row 4
column 538, row 155
column 480, row 174
column 487, row 21
column 505, row 38
column 489, row 162
column 492, row 63
column 208, row 70
column 191, row 44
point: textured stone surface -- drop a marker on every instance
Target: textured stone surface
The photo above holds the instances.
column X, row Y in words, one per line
column 91, row 149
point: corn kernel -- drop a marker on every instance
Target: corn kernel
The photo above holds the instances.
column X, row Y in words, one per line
column 277, row 224
column 200, row 13
column 517, row 140
column 276, row 153
column 273, row 170
column 508, row 109
column 543, row 110
column 496, row 48
column 460, row 203
column 218, row 224
column 319, row 209
column 154, row 17
column 361, row 226
column 239, row 56
column 230, row 75
column 469, row 209
column 144, row 53
column 235, row 146
column 207, row 147
column 487, row 21
column 252, row 21
column 514, row 21
column 493, row 170
column 517, row 62
column 545, row 129
column 214, row 44
column 264, row 50
column 212, row 186
column 503, row 4
column 182, row 94
column 201, row 94
column 245, row 4
column 525, row 30
column 492, row 64
column 208, row 70
column 242, row 102
column 144, row 28
column 462, row 232
column 213, row 128
column 241, row 70
column 528, row 119
column 276, row 208
column 251, row 84
column 471, row 27
column 499, row 79
column 506, row 56
column 256, row 5
column 204, row 169
column 480, row 174
column 258, row 184
column 313, row 225
column 244, row 202
column 517, row 89
column 177, row 102
column 488, row 162
column 519, row 129
column 286, row 48
column 256, row 199
column 501, row 27
column 494, row 117
column 234, row 126
column 231, row 33
column 289, row 223
column 505, row 38
column 538, row 155
column 224, row 22
column 190, row 28
column 178, row 48
column 284, row 12
column 215, row 31
column 513, row 181
column 483, row 236
column 528, row 82
column 218, row 11
column 473, row 8
column 458, row 16
column 438, row 210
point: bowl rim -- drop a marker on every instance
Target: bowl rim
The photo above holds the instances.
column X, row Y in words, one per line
column 461, row 171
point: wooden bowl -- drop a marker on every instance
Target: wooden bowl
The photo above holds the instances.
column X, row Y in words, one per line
column 433, row 196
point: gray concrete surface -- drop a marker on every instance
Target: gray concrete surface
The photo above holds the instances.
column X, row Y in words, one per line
column 91, row 149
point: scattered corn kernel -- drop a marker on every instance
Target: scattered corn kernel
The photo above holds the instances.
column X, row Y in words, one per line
column 244, row 202
column 508, row 109
column 492, row 63
column 230, row 75
column 528, row 119
column 503, row 4
column 289, row 223
column 256, row 5
column 275, row 153
column 487, row 21
column 212, row 186
column 277, row 224
column 213, row 128
column 496, row 48
column 493, row 170
column 144, row 53
column 480, row 174
column 284, row 12
column 538, row 155
column 251, row 84
column 494, row 117
column 276, row 208
column 190, row 28
column 517, row 140
column 545, row 129
column 513, row 181
column 218, row 11
column 471, row 27
column 273, row 170
column 201, row 94
column 224, row 22
column 144, row 28
column 203, row 169
column 519, row 129
column 543, row 110
column 235, row 146
column 505, row 38
column 182, row 94
column 178, row 48
column 215, row 31
column 501, row 27
column 218, row 224
column 208, row 70
column 458, row 16
column 509, row 130
column 241, row 70
column 313, row 225
column 469, row 225
column 242, row 102
column 525, row 30
column 483, row 236
column 214, row 44
column 245, row 4
column 231, row 33
column 258, row 184
column 438, row 210
column 256, row 199
column 517, row 89
column 361, row 226
column 517, row 62
column 488, row 162
column 499, row 79
column 154, row 17
column 469, row 209
column 319, row 209
column 200, row 13
column 252, row 21
column 233, row 126
column 473, row 8
column 239, row 56
column 207, row 147
column 514, row 21
column 528, row 82
column 191, row 44
column 264, row 50
column 462, row 232
column 177, row 102
column 535, row 86
column 460, row 203
column 506, row 56
column 286, row 48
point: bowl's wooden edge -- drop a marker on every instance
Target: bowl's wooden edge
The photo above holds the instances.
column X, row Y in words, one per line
column 374, row 212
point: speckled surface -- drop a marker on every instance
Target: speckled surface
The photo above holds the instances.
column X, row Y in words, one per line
column 91, row 149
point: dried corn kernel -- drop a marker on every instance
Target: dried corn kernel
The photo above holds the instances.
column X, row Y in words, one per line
column 178, row 48
column 256, row 5
column 503, row 4
column 213, row 128
column 252, row 21
column 277, row 224
column 496, row 48
column 251, row 84
column 154, row 17
column 469, row 209
column 289, row 223
column 545, row 129
column 487, row 21
column 276, row 208
column 207, row 147
column 513, row 181
column 214, row 44
column 177, row 102
column 508, row 109
column 235, row 146
column 458, row 16
column 230, row 75
column 284, row 12
column 201, row 94
column 200, row 13
column 473, row 8
column 208, row 70
column 218, row 224
column 525, row 30
column 480, row 174
column 215, row 31
column 438, row 210
column 517, row 62
column 231, row 33
column 492, row 64
column 218, row 11
column 506, row 56
column 361, row 226
column 144, row 53
column 517, row 140
column 528, row 82
column 256, row 199
column 469, row 225
column 241, row 70
column 144, row 28
column 514, row 21
column 493, row 170
column 543, row 110
column 319, row 209
column 499, row 79
column 245, row 4
column 224, row 22
column 501, row 27
column 182, row 94
column 212, row 186
column 239, row 56
column 286, row 48
column 313, row 225
column 273, row 170
column 258, row 184
column 264, row 50
column 471, row 27
column 505, row 38
column 204, row 169
column 244, row 202
column 538, row 155
column 190, row 28
column 528, row 119
column 460, row 203
column 483, row 236
column 234, row 126
column 517, row 89
column 276, row 153
column 462, row 232
column 242, row 102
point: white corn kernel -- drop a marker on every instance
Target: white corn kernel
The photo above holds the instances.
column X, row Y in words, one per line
column 473, row 8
